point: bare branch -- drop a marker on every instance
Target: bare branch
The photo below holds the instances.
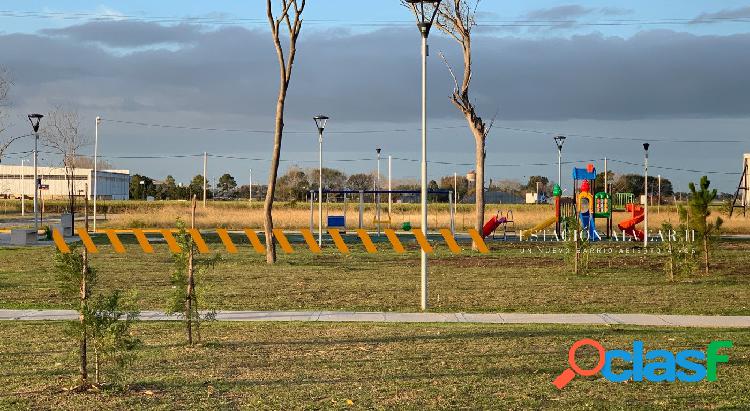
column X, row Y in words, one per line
column 450, row 69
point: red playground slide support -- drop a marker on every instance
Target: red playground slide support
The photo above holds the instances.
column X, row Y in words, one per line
column 628, row 226
column 492, row 225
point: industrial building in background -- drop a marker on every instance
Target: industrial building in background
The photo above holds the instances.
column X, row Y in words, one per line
column 17, row 181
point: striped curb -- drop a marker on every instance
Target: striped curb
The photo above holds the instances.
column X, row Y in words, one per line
column 310, row 243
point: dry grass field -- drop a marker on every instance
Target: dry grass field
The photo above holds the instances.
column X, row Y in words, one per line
column 287, row 216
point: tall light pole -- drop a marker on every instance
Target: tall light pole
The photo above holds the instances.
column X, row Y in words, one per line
column 425, row 18
column 251, row 186
column 23, row 189
column 377, row 194
column 645, row 191
column 205, row 177
column 559, row 141
column 35, row 119
column 96, row 153
column 320, row 122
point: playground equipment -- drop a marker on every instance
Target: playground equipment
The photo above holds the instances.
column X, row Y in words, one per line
column 555, row 219
column 628, row 226
column 340, row 221
column 622, row 200
column 491, row 226
column 591, row 206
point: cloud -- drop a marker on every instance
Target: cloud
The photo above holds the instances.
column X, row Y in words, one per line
column 374, row 76
column 127, row 33
column 726, row 14
column 568, row 11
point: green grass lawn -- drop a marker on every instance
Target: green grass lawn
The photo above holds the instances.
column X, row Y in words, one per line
column 397, row 366
column 507, row 280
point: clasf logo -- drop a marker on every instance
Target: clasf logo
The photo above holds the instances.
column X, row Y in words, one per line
column 652, row 366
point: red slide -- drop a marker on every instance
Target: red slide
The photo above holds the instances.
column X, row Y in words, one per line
column 628, row 226
column 492, row 225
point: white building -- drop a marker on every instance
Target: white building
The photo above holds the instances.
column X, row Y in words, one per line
column 16, row 181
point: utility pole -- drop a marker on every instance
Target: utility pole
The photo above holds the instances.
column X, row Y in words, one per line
column 23, row 189
column 96, row 153
column 658, row 197
column 205, row 177
column 390, row 196
column 377, row 194
column 645, row 190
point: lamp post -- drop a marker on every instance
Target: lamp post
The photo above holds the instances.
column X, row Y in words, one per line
column 96, row 153
column 143, row 188
column 23, row 189
column 35, row 119
column 251, row 186
column 645, row 191
column 425, row 19
column 320, row 122
column 559, row 141
column 377, row 194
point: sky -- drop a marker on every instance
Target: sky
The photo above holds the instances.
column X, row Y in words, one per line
column 608, row 74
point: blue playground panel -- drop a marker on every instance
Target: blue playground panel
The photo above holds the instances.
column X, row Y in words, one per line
column 336, row 221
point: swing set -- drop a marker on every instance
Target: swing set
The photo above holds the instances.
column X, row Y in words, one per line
column 382, row 218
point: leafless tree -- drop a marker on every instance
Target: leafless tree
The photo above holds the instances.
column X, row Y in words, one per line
column 289, row 18
column 457, row 18
column 62, row 133
column 5, row 84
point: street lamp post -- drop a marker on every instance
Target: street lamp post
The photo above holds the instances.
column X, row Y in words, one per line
column 377, row 189
column 35, row 119
column 320, row 122
column 425, row 19
column 559, row 141
column 645, row 191
column 143, row 188
column 23, row 189
column 96, row 153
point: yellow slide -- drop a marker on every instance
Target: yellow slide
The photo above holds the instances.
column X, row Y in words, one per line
column 525, row 234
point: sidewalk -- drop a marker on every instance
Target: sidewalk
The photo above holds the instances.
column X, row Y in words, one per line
column 393, row 317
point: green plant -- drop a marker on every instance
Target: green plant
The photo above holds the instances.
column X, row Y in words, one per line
column 679, row 249
column 103, row 323
column 706, row 232
column 185, row 299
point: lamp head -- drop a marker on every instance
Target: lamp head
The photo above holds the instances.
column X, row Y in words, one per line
column 646, row 146
column 425, row 15
column 34, row 119
column 560, row 140
column 320, row 122
column 377, row 150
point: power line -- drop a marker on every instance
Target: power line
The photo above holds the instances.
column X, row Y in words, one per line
column 406, row 130
column 499, row 23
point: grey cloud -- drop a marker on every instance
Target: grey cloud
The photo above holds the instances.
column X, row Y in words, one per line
column 559, row 12
column 716, row 17
column 373, row 77
column 615, row 11
column 127, row 33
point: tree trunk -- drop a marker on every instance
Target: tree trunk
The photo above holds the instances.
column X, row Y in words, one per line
column 479, row 188
column 705, row 253
column 191, row 281
column 81, row 315
column 268, row 206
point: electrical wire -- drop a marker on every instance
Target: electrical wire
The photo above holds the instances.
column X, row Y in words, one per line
column 490, row 23
column 405, row 130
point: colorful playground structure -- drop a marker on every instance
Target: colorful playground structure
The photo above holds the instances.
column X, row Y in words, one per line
column 586, row 207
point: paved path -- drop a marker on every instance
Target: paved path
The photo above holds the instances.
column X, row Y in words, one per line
column 391, row 317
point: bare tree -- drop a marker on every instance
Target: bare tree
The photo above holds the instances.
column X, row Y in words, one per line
column 457, row 18
column 293, row 25
column 5, row 84
column 62, row 133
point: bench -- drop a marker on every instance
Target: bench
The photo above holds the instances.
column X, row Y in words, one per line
column 23, row 237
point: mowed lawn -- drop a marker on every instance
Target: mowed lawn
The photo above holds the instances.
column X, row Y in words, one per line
column 361, row 366
column 509, row 279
